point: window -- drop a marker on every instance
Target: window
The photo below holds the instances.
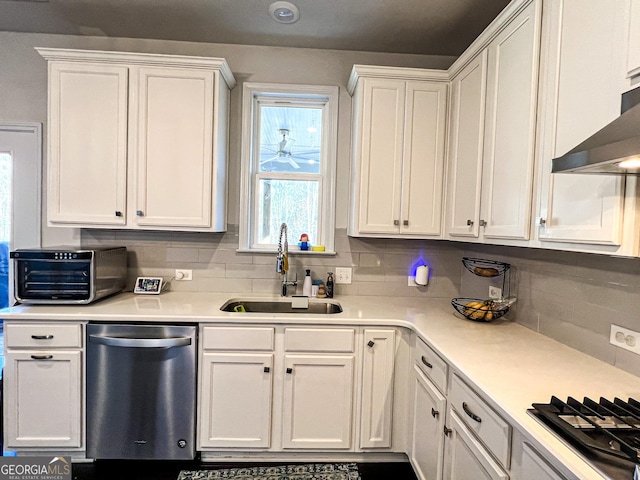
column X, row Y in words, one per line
column 288, row 165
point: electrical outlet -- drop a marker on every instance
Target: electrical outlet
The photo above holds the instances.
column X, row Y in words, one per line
column 411, row 281
column 183, row 275
column 343, row 275
column 495, row 293
column 625, row 338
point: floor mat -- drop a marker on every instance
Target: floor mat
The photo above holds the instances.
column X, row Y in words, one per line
column 311, row 471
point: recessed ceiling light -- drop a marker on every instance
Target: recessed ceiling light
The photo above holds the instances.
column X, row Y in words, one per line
column 284, row 12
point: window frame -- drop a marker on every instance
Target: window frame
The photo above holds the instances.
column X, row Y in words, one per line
column 253, row 94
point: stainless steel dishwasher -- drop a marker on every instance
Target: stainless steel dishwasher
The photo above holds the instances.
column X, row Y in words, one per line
column 141, row 391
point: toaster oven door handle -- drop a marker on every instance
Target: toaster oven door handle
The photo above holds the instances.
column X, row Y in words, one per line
column 132, row 342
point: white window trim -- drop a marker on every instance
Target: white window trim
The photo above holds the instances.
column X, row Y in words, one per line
column 328, row 187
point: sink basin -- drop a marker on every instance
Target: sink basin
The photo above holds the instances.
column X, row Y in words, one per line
column 259, row 306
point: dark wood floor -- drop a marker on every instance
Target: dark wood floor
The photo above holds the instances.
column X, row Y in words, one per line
column 114, row 470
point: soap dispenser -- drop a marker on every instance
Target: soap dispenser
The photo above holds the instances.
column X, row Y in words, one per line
column 306, row 286
column 330, row 285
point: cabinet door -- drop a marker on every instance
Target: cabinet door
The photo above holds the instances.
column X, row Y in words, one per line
column 423, row 158
column 633, row 43
column 380, row 140
column 507, row 183
column 465, row 457
column 534, row 467
column 318, row 401
column 174, row 152
column 377, row 388
column 580, row 51
column 468, row 94
column 43, row 399
column 235, row 403
column 427, row 448
column 88, row 144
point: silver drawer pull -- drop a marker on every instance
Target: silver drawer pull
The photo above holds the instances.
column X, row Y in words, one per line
column 42, row 357
column 424, row 360
column 42, row 337
column 470, row 413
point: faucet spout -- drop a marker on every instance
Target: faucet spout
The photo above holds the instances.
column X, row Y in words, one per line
column 282, row 261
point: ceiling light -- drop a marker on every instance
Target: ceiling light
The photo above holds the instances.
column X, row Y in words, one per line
column 631, row 163
column 284, row 12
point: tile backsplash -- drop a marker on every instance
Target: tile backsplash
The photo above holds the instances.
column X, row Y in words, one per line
column 571, row 297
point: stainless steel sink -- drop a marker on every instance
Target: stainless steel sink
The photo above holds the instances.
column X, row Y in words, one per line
column 259, row 306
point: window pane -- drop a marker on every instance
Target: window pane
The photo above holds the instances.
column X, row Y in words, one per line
column 294, row 202
column 290, row 139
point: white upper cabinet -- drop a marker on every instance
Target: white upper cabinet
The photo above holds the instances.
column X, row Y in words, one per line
column 87, row 143
column 580, row 93
column 466, row 140
column 633, row 42
column 492, row 134
column 137, row 140
column 399, row 121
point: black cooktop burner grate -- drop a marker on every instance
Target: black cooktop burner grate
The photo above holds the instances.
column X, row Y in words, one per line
column 606, row 434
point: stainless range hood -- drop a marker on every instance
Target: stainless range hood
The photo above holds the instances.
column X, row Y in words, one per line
column 603, row 152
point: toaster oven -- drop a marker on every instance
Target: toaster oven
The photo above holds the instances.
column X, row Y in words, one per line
column 65, row 275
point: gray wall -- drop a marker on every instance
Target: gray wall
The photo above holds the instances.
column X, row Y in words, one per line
column 567, row 296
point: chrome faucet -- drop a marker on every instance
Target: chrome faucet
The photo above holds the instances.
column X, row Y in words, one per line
column 282, row 261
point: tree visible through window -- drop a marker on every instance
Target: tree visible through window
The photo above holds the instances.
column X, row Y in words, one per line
column 289, row 165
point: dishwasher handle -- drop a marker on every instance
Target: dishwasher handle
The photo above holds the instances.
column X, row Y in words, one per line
column 132, row 342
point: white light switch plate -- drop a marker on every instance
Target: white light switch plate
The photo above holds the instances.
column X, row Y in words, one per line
column 343, row 275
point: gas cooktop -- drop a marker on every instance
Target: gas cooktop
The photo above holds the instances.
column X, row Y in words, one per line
column 605, row 433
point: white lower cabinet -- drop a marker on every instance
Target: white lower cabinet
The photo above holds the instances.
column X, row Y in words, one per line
column 275, row 388
column 43, row 401
column 236, row 387
column 466, row 457
column 429, row 412
column 318, row 401
column 378, row 365
column 534, row 467
column 236, row 393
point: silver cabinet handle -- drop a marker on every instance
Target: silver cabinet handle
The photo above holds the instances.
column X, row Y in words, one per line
column 140, row 342
column 139, row 213
column 469, row 223
column 483, row 223
column 542, row 221
column 42, row 337
column 405, row 223
column 371, row 343
column 396, row 222
column 447, row 431
column 267, row 369
column 42, row 357
column 118, row 213
column 424, row 360
column 434, row 412
column 472, row 415
column 289, row 370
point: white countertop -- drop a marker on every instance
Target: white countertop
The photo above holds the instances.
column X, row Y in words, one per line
column 509, row 364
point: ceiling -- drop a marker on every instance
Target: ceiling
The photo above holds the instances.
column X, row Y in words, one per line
column 425, row 27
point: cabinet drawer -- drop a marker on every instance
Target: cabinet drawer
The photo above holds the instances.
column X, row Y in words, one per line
column 238, row 338
column 39, row 335
column 479, row 417
column 431, row 364
column 319, row 340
